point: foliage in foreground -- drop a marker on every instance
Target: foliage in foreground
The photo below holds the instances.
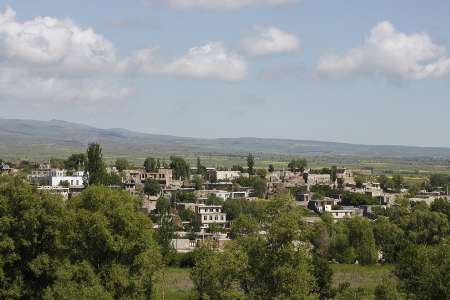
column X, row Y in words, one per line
column 95, row 246
column 275, row 266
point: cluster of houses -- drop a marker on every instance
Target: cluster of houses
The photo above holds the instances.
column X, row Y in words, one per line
column 219, row 184
column 5, row 169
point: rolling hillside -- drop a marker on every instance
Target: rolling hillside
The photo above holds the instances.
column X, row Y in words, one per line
column 31, row 139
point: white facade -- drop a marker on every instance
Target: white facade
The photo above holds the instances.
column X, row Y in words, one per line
column 338, row 214
column 63, row 191
column 210, row 214
column 56, row 177
column 227, row 175
column 320, row 179
column 74, row 181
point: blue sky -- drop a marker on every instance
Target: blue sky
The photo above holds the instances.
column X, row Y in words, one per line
column 372, row 72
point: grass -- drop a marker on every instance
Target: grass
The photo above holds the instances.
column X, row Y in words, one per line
column 173, row 284
column 176, row 284
column 367, row 277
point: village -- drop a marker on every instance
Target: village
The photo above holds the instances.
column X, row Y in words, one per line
column 198, row 201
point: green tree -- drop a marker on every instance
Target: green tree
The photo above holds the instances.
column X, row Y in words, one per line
column 250, row 163
column 198, row 182
column 340, row 247
column 236, row 207
column 385, row 182
column 116, row 238
column 162, row 205
column 76, row 281
column 158, row 164
column 64, row 183
column 152, row 187
column 122, row 164
column 180, row 167
column 244, row 225
column 76, row 162
column 271, row 168
column 333, row 173
column 260, row 186
column 424, row 271
column 441, row 205
column 261, row 173
column 426, row 227
column 32, row 239
column 362, row 240
column 214, row 200
column 57, row 163
column 389, row 237
column 320, row 239
column 439, row 180
column 184, row 197
column 276, row 266
column 96, row 245
column 217, row 275
column 296, row 165
column 397, row 179
column 151, row 165
column 359, row 182
column 95, row 165
column 164, row 235
column 201, row 170
column 237, row 168
column 324, row 277
column 112, row 180
column 387, row 290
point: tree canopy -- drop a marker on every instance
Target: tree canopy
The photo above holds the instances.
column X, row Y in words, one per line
column 180, row 167
column 151, row 165
column 297, row 165
column 95, row 165
column 97, row 245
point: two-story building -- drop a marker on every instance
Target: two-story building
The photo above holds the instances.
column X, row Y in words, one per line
column 56, row 177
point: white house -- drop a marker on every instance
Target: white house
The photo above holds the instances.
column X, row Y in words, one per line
column 227, row 175
column 57, row 177
column 319, row 179
column 210, row 214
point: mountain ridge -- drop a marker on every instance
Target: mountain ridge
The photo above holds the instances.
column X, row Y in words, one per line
column 25, row 136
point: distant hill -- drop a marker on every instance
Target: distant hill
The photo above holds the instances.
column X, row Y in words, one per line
column 32, row 139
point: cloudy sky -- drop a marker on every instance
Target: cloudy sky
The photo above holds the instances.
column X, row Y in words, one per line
column 372, row 72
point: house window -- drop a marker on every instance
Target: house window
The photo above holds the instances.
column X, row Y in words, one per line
column 210, row 218
column 215, row 218
column 205, row 218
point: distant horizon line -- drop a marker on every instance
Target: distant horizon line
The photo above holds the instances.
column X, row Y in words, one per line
column 227, row 138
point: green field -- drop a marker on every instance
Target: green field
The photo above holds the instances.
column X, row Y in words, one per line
column 176, row 284
column 367, row 277
column 173, row 284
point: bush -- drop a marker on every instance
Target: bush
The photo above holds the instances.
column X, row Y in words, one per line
column 181, row 260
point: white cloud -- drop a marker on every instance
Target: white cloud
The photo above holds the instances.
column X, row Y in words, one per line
column 269, row 40
column 389, row 52
column 21, row 84
column 51, row 43
column 212, row 60
column 46, row 59
column 226, row 4
column 209, row 61
column 141, row 61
